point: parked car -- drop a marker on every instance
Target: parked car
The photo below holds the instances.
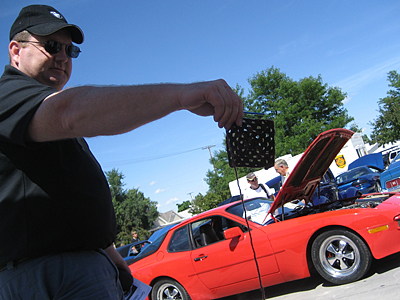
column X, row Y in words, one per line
column 327, row 189
column 373, row 159
column 390, row 154
column 212, row 255
column 364, row 178
column 129, row 252
column 390, row 179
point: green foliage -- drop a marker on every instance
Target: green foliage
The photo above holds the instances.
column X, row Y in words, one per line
column 386, row 128
column 218, row 183
column 183, row 206
column 203, row 203
column 133, row 211
column 300, row 109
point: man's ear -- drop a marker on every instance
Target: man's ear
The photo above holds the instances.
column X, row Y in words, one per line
column 14, row 52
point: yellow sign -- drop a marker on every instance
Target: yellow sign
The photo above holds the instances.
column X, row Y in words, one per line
column 340, row 161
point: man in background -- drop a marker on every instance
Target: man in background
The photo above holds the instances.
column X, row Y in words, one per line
column 282, row 167
column 256, row 189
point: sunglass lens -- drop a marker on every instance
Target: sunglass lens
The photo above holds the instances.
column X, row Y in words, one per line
column 73, row 51
column 53, row 47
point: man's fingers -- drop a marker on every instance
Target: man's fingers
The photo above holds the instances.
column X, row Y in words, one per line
column 230, row 109
column 214, row 98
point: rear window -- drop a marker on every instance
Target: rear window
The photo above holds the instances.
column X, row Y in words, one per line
column 179, row 241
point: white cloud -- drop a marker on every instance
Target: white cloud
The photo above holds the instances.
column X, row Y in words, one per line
column 367, row 76
column 153, row 182
column 160, row 191
column 172, row 200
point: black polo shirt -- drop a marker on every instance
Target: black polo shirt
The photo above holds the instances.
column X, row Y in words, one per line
column 54, row 196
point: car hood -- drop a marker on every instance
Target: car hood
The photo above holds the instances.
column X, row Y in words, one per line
column 307, row 174
column 374, row 159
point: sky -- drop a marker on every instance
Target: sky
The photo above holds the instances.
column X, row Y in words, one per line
column 350, row 44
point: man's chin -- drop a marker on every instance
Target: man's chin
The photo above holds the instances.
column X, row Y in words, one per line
column 57, row 82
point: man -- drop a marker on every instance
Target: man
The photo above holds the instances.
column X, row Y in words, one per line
column 136, row 239
column 256, row 189
column 282, row 167
column 57, row 220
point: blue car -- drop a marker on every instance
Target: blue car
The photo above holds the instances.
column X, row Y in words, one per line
column 365, row 178
column 327, row 190
column 390, row 179
column 130, row 251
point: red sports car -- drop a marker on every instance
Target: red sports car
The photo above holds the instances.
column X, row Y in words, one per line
column 232, row 248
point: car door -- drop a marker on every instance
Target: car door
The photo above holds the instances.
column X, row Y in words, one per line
column 227, row 262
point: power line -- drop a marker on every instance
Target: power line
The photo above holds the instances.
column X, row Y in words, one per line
column 151, row 158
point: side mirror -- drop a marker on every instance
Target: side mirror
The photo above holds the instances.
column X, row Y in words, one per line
column 233, row 232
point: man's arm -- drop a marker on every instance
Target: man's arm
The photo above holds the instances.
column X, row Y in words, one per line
column 91, row 111
column 117, row 258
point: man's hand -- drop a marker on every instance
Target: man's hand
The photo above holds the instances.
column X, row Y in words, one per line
column 213, row 98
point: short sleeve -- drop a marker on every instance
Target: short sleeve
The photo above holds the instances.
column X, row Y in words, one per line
column 20, row 97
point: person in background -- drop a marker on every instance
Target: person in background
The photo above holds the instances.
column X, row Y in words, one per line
column 256, row 189
column 58, row 224
column 282, row 167
column 136, row 239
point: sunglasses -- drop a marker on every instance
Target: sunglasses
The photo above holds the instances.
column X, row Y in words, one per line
column 53, row 47
column 253, row 180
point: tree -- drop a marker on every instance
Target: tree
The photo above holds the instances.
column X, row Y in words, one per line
column 133, row 211
column 218, row 183
column 203, row 203
column 386, row 128
column 183, row 206
column 300, row 109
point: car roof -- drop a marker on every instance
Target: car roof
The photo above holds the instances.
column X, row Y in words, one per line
column 308, row 172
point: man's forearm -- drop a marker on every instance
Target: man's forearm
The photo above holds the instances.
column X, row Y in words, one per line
column 91, row 111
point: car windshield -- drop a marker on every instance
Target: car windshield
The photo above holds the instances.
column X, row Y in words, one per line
column 156, row 240
column 256, row 210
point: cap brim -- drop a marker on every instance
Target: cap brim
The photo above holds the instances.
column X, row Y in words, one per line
column 50, row 28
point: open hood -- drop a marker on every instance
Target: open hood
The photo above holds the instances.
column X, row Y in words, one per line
column 307, row 174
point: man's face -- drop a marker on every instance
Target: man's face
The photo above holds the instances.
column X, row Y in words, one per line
column 50, row 69
column 253, row 182
column 280, row 169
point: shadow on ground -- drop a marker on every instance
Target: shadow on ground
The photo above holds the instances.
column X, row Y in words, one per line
column 378, row 267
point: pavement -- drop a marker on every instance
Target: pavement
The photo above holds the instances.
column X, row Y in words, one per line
column 382, row 282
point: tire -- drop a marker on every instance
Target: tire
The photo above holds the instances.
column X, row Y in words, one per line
column 340, row 256
column 169, row 289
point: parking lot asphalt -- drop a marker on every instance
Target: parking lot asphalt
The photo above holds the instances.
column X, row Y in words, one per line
column 382, row 282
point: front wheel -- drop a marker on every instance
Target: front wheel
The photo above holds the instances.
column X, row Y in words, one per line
column 340, row 256
column 167, row 289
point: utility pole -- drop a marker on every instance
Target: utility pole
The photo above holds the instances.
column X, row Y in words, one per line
column 208, row 147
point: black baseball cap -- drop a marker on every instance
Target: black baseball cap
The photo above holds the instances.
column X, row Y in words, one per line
column 44, row 20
